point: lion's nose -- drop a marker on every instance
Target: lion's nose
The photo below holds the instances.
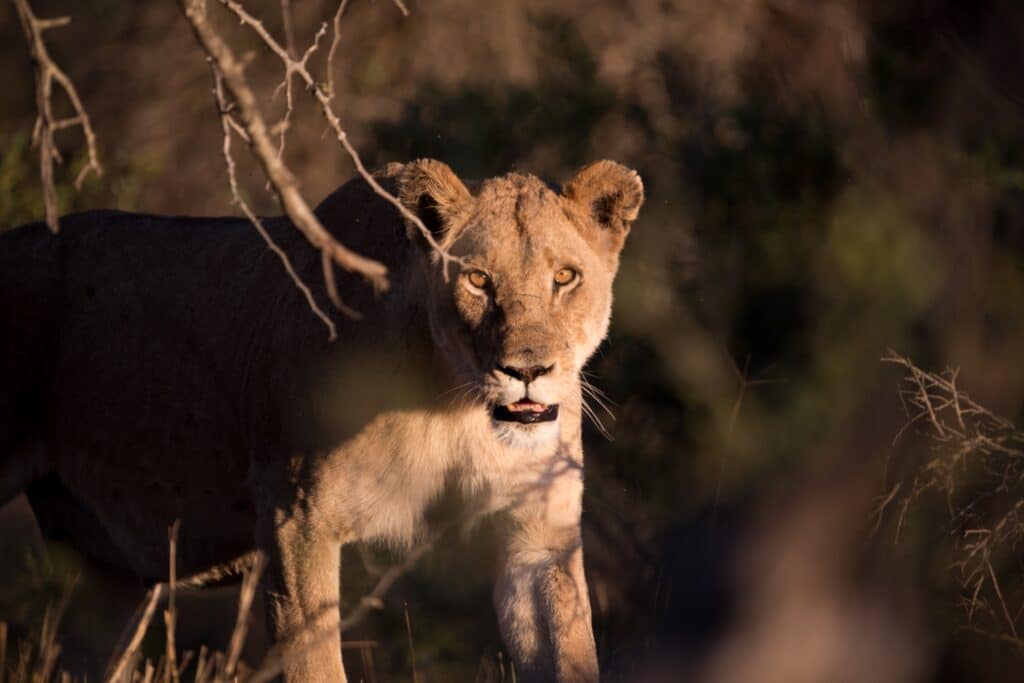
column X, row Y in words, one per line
column 526, row 375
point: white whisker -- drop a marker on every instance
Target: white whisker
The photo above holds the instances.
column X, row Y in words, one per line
column 598, row 396
column 589, row 412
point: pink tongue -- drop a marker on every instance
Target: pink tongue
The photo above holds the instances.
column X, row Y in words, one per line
column 522, row 406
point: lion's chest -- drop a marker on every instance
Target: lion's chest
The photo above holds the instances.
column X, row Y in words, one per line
column 378, row 485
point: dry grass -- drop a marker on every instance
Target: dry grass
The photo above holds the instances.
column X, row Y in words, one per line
column 37, row 661
column 38, row 658
column 974, row 463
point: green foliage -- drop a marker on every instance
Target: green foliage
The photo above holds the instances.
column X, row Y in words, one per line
column 21, row 197
column 21, row 193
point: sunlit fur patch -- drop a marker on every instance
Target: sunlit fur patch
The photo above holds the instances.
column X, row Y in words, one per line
column 518, row 435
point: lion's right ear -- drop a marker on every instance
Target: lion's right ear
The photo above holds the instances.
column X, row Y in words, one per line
column 430, row 190
column 611, row 195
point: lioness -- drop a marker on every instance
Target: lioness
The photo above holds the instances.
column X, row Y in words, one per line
column 158, row 368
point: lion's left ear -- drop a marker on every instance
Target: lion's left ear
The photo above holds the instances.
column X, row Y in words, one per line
column 611, row 194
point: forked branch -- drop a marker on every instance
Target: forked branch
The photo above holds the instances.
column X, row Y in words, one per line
column 47, row 124
column 228, row 124
column 323, row 96
column 283, row 182
column 240, row 113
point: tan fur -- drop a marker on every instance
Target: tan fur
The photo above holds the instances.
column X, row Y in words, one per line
column 179, row 376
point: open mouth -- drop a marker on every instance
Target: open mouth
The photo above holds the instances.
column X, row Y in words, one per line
column 525, row 412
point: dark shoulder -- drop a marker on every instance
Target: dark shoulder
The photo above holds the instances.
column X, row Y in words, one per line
column 111, row 218
column 363, row 220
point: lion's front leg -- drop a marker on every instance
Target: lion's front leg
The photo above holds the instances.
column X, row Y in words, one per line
column 541, row 594
column 302, row 588
column 544, row 613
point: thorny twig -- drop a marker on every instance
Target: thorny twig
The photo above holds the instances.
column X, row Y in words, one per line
column 47, row 124
column 241, row 114
column 299, row 68
column 976, row 462
column 281, row 178
column 226, row 124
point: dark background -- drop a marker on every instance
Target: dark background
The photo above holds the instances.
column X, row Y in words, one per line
column 826, row 180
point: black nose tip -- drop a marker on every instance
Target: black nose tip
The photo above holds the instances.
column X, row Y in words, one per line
column 527, row 375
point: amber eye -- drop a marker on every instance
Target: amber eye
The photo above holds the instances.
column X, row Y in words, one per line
column 478, row 278
column 565, row 276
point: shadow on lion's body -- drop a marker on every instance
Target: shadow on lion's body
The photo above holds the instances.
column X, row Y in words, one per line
column 199, row 310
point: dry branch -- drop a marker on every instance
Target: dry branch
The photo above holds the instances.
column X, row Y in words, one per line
column 282, row 180
column 242, row 115
column 227, row 125
column 335, row 41
column 374, row 599
column 47, row 124
column 299, row 68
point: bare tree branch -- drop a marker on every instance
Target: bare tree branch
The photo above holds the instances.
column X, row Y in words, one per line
column 281, row 178
column 46, row 124
column 374, row 599
column 226, row 119
column 299, row 67
column 335, row 41
column 242, row 115
column 289, row 30
column 401, row 7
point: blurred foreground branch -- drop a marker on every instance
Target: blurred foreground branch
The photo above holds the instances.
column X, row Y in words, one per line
column 218, row 667
column 975, row 462
column 387, row 579
column 47, row 125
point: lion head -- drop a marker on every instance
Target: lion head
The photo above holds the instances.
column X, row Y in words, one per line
column 528, row 297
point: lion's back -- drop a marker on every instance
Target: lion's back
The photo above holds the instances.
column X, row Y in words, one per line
column 153, row 356
column 107, row 280
column 122, row 347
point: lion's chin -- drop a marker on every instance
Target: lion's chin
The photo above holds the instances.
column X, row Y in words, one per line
column 526, row 435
